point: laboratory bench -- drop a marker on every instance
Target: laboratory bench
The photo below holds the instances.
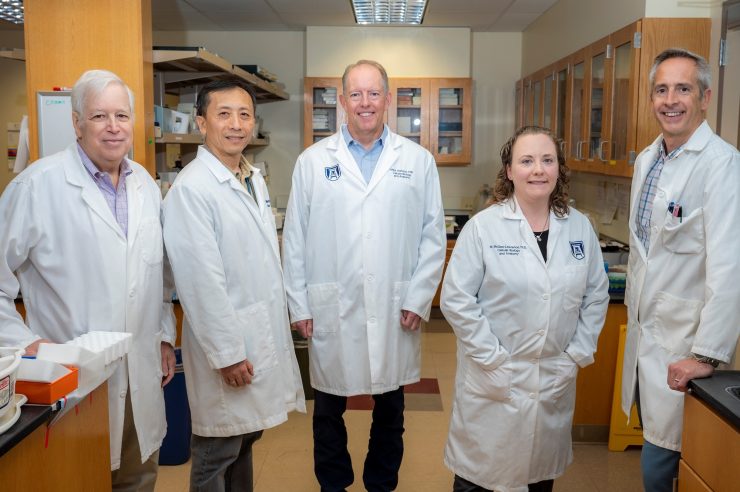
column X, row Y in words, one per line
column 710, row 451
column 72, row 454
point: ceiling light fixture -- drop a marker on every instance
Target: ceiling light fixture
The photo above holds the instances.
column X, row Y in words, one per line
column 12, row 11
column 389, row 11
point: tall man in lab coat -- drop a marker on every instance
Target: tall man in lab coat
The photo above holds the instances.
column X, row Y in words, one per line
column 682, row 289
column 80, row 236
column 364, row 245
column 241, row 371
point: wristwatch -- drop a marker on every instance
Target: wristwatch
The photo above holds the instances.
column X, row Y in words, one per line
column 706, row 360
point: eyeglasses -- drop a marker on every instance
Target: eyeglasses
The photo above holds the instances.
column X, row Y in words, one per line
column 356, row 96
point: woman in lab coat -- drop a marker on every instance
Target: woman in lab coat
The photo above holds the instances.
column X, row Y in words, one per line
column 526, row 294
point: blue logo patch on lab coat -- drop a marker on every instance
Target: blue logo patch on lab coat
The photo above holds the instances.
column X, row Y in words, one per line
column 332, row 173
column 576, row 249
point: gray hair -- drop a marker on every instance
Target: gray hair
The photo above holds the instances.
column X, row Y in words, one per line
column 92, row 83
column 372, row 63
column 703, row 72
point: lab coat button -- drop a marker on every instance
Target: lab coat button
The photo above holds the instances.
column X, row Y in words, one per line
column 122, row 394
column 131, row 293
column 370, row 278
column 541, row 332
column 368, row 235
column 532, row 396
column 661, row 194
column 372, row 319
column 546, row 296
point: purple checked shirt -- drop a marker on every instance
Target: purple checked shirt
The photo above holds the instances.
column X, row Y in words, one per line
column 115, row 198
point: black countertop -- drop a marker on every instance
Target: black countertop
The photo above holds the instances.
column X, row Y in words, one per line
column 712, row 391
column 32, row 417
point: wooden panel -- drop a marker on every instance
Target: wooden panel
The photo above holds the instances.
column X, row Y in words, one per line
column 77, row 457
column 595, row 384
column 710, row 445
column 448, row 254
column 657, row 35
column 64, row 38
column 689, row 481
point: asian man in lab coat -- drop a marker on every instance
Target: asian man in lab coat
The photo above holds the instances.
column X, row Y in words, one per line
column 682, row 289
column 80, row 236
column 241, row 370
column 364, row 244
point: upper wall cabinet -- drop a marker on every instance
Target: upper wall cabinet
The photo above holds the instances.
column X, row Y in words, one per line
column 435, row 113
column 597, row 100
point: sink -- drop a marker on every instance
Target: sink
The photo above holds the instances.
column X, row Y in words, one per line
column 734, row 391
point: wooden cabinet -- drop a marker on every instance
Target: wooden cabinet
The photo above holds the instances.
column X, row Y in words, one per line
column 180, row 72
column 710, row 450
column 408, row 114
column 608, row 118
column 434, row 112
column 322, row 114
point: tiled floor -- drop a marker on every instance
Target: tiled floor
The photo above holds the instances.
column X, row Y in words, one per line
column 283, row 457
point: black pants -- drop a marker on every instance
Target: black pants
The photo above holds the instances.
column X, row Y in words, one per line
column 462, row 485
column 332, row 462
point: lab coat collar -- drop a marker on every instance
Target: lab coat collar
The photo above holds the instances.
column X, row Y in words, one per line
column 512, row 211
column 76, row 175
column 224, row 175
column 337, row 146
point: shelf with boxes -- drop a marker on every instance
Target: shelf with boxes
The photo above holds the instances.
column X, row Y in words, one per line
column 179, row 72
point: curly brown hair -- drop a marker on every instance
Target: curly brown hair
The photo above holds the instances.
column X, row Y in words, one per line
column 504, row 187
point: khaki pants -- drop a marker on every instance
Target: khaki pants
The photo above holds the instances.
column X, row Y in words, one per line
column 133, row 475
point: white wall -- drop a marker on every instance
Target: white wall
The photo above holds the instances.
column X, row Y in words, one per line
column 13, row 102
column 282, row 53
column 403, row 51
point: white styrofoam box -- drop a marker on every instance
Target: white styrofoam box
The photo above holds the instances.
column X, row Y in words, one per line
column 111, row 344
column 40, row 371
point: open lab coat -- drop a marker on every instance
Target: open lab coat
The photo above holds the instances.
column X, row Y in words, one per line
column 224, row 254
column 356, row 254
column 684, row 295
column 79, row 273
column 523, row 326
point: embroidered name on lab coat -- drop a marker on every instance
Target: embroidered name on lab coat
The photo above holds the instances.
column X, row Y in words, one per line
column 402, row 173
column 508, row 249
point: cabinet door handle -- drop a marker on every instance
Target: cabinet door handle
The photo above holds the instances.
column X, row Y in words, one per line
column 601, row 150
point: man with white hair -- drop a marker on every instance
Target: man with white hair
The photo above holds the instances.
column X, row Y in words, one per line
column 80, row 237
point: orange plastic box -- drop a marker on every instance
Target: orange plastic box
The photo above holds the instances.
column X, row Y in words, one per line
column 48, row 393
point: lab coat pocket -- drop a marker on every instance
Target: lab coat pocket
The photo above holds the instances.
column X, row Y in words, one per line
column 565, row 370
column 149, row 239
column 676, row 322
column 575, row 287
column 684, row 236
column 258, row 341
column 492, row 384
column 323, row 301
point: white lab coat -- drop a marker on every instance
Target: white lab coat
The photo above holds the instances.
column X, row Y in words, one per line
column 682, row 297
column 224, row 254
column 523, row 328
column 356, row 254
column 78, row 272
